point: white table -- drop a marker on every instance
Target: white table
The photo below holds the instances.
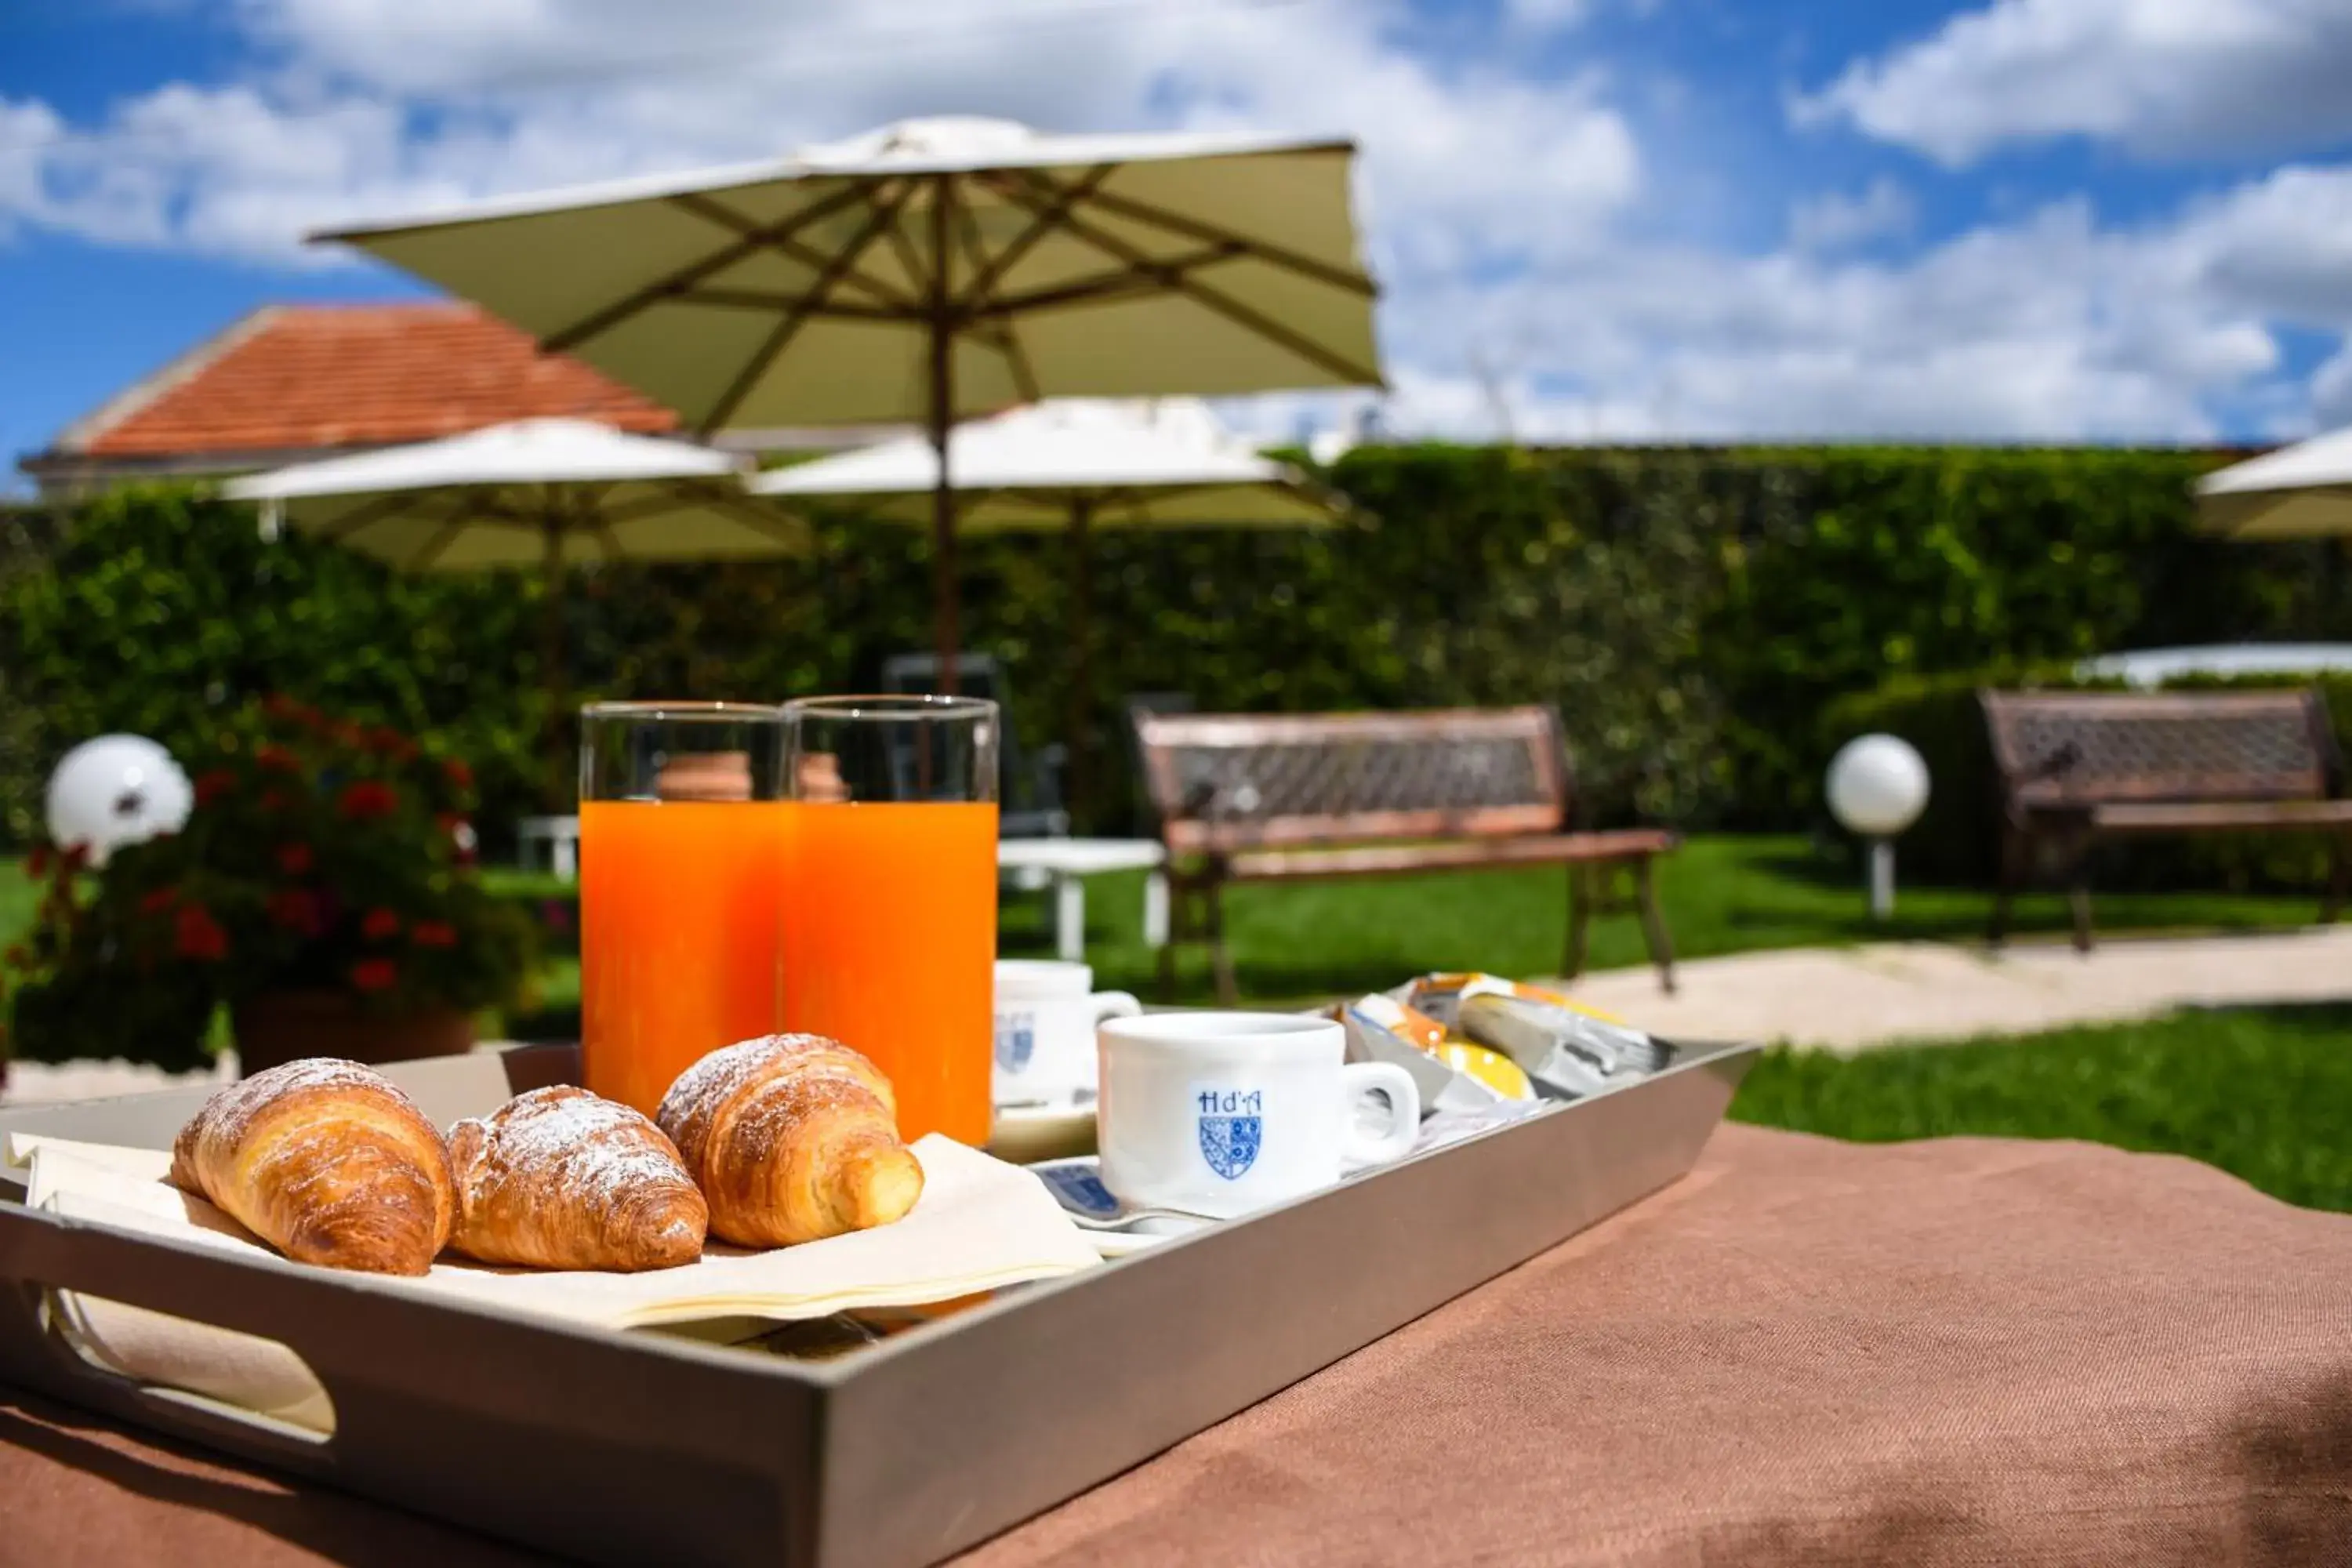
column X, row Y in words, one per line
column 561, row 836
column 1065, row 863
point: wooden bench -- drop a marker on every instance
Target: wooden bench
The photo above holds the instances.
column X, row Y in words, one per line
column 1248, row 798
column 2075, row 768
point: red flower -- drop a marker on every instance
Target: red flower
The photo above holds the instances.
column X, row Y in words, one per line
column 156, row 903
column 375, row 974
column 38, row 862
column 380, row 924
column 215, row 785
column 199, row 936
column 459, row 773
column 368, row 798
column 277, row 760
column 433, row 934
column 273, row 800
column 278, row 705
column 294, row 858
column 73, row 857
column 296, row 909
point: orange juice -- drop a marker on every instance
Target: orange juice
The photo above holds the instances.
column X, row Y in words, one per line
column 679, row 904
column 890, row 947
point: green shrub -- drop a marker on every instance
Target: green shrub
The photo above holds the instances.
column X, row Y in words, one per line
column 159, row 611
column 1692, row 611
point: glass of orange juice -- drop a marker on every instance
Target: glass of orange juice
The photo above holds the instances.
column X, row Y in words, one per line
column 890, row 927
column 681, row 887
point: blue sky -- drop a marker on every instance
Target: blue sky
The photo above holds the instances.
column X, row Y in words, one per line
column 1595, row 219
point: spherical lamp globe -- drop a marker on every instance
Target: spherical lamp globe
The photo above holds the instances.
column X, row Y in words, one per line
column 116, row 790
column 1878, row 785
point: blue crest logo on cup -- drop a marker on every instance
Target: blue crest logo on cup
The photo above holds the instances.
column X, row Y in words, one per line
column 1232, row 1125
column 1016, row 1040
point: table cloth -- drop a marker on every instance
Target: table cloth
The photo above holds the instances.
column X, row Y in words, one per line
column 1954, row 1352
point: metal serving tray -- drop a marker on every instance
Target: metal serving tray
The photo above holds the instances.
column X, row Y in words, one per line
column 636, row 1447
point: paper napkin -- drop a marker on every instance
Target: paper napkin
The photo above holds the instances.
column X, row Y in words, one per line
column 980, row 1225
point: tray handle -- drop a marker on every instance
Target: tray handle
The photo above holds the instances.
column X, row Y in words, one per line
column 385, row 1359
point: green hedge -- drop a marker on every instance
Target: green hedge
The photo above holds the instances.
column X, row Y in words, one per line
column 1955, row 839
column 1692, row 611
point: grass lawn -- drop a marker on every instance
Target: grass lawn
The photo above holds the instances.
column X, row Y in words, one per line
column 1721, row 894
column 1304, row 941
column 2264, row 1093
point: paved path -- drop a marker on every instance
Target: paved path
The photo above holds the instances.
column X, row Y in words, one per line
column 1845, row 999
column 1853, row 999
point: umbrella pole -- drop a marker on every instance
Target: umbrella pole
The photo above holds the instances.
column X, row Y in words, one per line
column 550, row 653
column 1081, row 652
column 944, row 607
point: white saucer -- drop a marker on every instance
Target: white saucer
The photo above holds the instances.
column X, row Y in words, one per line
column 1026, row 1133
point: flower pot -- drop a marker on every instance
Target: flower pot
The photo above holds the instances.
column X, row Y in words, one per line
column 279, row 1027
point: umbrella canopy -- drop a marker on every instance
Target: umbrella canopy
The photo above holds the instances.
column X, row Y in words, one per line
column 2301, row 492
column 1077, row 465
column 535, row 492
column 929, row 270
column 1166, row 463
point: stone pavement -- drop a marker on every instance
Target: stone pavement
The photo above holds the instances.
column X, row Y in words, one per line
column 1853, row 998
column 1841, row 999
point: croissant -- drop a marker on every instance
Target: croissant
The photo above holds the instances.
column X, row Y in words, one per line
column 559, row 1178
column 328, row 1162
column 791, row 1138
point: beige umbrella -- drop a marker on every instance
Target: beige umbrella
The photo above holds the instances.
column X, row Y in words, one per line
column 1074, row 465
column 931, row 270
column 543, row 493
column 2301, row 492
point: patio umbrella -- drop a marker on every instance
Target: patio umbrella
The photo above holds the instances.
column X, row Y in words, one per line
column 929, row 270
column 1075, row 465
column 543, row 493
column 2297, row 492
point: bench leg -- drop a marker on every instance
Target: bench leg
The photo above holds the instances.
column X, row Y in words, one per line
column 1580, row 921
column 2014, row 852
column 1654, row 925
column 1220, row 955
column 2078, row 897
column 1179, row 929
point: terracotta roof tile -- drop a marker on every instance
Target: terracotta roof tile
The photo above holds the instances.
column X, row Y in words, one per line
column 290, row 377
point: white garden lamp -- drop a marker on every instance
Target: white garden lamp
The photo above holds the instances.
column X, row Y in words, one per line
column 113, row 791
column 1878, row 787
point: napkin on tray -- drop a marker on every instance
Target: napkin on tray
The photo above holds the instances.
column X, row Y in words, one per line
column 980, row 1225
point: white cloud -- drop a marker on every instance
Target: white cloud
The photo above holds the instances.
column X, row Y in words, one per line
column 2051, row 328
column 1506, row 213
column 1547, row 15
column 2331, row 390
column 1831, row 220
column 376, row 106
column 2183, row 78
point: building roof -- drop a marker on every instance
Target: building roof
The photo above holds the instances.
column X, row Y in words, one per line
column 296, row 378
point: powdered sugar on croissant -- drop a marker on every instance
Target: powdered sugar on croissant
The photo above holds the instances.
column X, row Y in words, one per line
column 559, row 1178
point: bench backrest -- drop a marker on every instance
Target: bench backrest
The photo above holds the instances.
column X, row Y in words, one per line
column 2057, row 749
column 1224, row 782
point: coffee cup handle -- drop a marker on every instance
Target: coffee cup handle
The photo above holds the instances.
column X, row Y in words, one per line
column 1115, row 1004
column 1403, row 1095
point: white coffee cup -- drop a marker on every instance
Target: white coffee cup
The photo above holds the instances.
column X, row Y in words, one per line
column 1220, row 1113
column 1045, row 1019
